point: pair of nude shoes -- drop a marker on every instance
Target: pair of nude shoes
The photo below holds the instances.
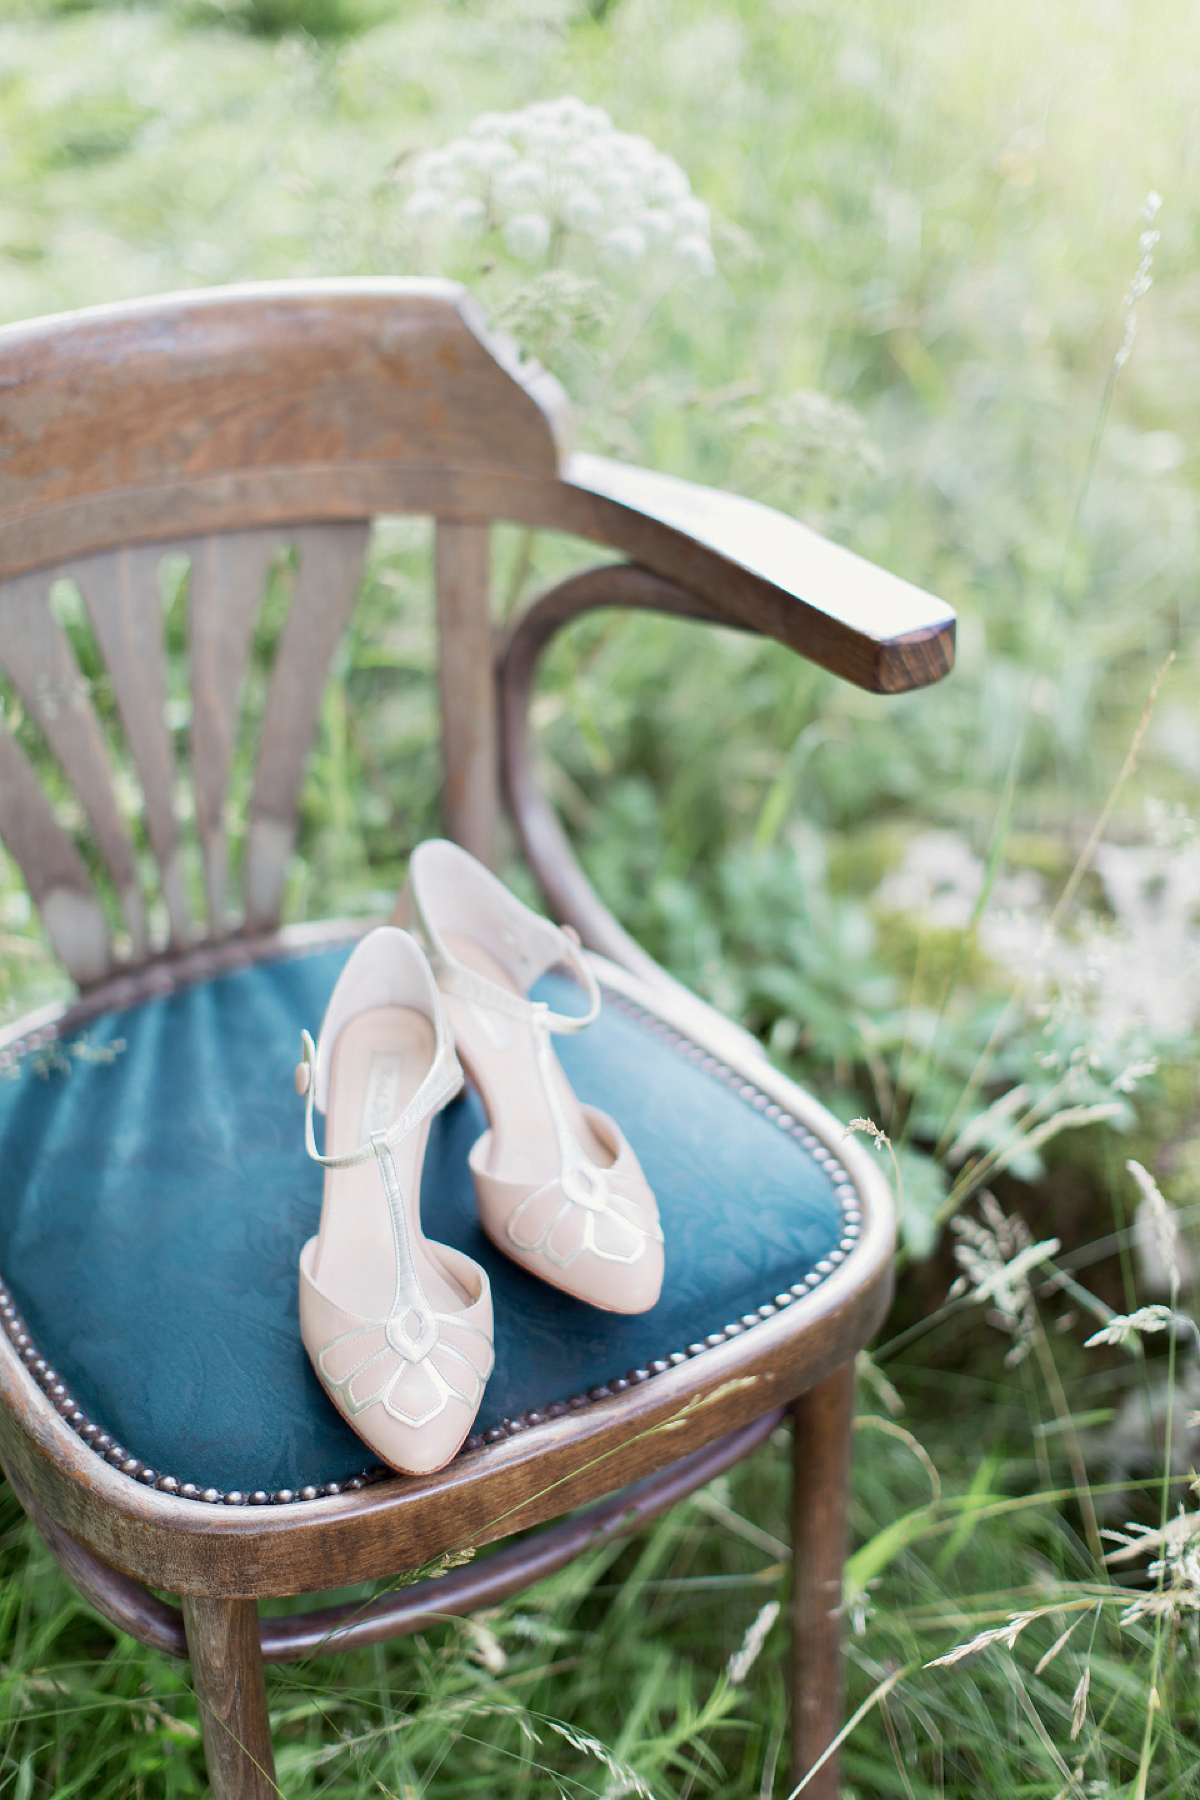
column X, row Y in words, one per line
column 399, row 1328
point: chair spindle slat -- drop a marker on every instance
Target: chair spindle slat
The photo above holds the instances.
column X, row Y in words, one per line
column 54, row 871
column 228, row 576
column 330, row 567
column 120, row 591
column 468, row 689
column 37, row 655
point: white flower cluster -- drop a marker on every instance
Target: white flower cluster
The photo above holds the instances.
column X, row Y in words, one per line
column 1132, row 975
column 560, row 169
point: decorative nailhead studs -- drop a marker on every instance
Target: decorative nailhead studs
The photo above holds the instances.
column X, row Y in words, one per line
column 105, row 1445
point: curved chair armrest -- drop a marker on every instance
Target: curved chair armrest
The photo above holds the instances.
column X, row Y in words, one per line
column 768, row 573
column 546, row 845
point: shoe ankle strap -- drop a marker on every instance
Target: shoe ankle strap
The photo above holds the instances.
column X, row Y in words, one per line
column 453, row 977
column 444, row 1080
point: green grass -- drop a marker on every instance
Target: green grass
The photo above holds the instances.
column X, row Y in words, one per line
column 928, row 216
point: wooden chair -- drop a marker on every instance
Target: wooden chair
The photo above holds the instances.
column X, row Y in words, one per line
column 159, row 1421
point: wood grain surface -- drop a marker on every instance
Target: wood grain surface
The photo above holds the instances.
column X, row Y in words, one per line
column 228, row 575
column 327, row 579
column 227, row 1674
column 247, row 407
column 121, row 592
column 401, row 1611
column 822, row 1422
column 468, row 690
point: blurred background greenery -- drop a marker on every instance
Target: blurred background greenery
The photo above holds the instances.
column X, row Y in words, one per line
column 927, row 226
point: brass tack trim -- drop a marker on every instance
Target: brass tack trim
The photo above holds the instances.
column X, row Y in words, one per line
column 158, row 982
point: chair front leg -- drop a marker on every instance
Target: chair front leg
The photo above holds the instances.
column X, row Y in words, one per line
column 822, row 1421
column 227, row 1669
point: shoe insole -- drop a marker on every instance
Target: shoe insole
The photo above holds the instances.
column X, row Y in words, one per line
column 497, row 1052
column 379, row 1061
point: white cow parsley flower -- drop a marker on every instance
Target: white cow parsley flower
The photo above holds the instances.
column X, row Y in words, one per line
column 556, row 170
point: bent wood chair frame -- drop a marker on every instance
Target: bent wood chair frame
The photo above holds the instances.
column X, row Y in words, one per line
column 223, row 425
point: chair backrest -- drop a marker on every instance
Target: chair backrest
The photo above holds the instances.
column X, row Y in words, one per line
column 229, row 428
column 222, row 429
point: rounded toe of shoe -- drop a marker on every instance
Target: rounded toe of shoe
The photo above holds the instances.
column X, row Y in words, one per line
column 636, row 1288
column 421, row 1451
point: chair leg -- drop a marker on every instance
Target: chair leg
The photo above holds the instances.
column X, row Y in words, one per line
column 227, row 1669
column 822, row 1422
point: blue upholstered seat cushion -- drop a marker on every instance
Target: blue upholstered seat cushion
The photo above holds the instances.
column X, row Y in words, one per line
column 153, row 1206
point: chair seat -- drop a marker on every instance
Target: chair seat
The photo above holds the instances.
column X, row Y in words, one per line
column 154, row 1201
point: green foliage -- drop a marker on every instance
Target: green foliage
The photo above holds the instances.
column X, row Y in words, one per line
column 925, row 224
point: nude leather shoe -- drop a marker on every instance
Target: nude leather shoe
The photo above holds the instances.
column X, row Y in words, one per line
column 398, row 1328
column 558, row 1187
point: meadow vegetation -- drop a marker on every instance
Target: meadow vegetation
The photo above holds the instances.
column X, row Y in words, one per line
column 925, row 277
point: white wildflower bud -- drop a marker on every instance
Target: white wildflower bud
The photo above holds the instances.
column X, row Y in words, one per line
column 527, row 235
column 582, row 210
column 521, row 182
column 670, row 182
column 1153, row 202
column 581, row 159
column 656, row 224
column 691, row 217
column 696, row 253
column 466, row 214
column 493, row 154
column 625, row 244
